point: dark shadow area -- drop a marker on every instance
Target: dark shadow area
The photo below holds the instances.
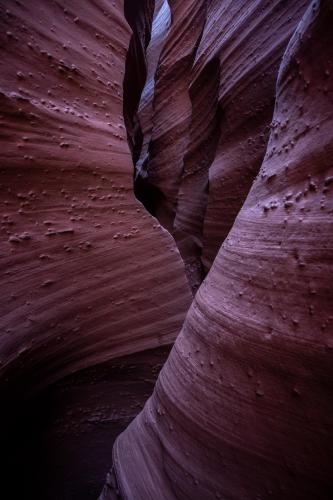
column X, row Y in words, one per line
column 58, row 446
column 139, row 15
column 150, row 196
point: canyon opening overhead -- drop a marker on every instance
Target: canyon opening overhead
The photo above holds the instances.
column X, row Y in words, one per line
column 166, row 249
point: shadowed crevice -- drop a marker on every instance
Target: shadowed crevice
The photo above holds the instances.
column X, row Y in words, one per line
column 194, row 186
column 139, row 15
column 148, row 194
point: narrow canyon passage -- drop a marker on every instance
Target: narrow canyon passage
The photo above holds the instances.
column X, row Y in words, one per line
column 94, row 291
column 166, row 196
column 242, row 406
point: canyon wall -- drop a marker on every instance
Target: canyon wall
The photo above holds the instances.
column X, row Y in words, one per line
column 78, row 250
column 240, row 51
column 242, row 408
column 150, row 149
column 87, row 275
column 213, row 106
column 172, row 107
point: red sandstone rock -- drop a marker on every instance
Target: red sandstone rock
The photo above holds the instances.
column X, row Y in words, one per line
column 243, row 409
column 219, row 109
column 86, row 274
column 172, row 106
column 239, row 55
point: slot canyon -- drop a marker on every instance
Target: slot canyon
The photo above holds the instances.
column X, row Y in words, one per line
column 166, row 301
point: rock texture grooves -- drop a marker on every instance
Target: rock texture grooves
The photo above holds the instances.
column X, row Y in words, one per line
column 193, row 192
column 172, row 107
column 242, row 409
column 77, row 248
column 213, row 105
column 87, row 275
column 241, row 49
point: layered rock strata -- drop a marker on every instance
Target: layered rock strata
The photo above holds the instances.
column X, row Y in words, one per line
column 172, row 108
column 87, row 275
column 213, row 106
column 79, row 254
column 242, row 408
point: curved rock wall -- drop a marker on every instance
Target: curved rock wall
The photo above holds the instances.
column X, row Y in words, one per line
column 194, row 186
column 87, row 274
column 248, row 40
column 211, row 117
column 94, row 290
column 242, row 408
column 172, row 107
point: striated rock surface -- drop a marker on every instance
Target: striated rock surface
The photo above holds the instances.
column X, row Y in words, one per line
column 87, row 275
column 232, row 93
column 211, row 118
column 172, row 108
column 242, row 409
column 173, row 101
column 78, row 252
